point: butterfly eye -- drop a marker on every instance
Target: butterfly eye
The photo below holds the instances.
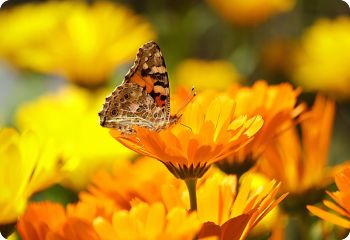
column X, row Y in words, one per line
column 163, row 97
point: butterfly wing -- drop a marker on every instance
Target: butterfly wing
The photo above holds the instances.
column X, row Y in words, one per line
column 143, row 99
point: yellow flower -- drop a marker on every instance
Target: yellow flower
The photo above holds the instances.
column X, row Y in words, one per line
column 83, row 43
column 301, row 164
column 149, row 222
column 207, row 132
column 229, row 214
column 69, row 117
column 249, row 12
column 269, row 222
column 323, row 61
column 28, row 164
column 342, row 202
column 203, row 75
column 277, row 104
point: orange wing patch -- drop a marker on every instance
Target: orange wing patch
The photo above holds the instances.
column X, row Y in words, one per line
column 145, row 82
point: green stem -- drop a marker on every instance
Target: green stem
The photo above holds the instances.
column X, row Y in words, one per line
column 191, row 184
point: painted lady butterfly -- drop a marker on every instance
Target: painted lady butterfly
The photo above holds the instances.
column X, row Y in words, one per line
column 143, row 98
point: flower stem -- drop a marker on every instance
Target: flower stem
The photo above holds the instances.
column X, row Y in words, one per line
column 191, row 184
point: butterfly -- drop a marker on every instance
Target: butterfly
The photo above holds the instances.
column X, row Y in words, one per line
column 143, row 98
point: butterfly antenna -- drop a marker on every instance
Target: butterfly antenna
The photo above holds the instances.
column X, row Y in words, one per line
column 188, row 99
column 186, row 126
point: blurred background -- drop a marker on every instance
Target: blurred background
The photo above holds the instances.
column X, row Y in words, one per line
column 208, row 44
column 59, row 59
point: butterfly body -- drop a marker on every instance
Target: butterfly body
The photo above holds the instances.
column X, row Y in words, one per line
column 143, row 98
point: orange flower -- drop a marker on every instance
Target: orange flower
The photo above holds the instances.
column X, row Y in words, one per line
column 127, row 182
column 207, row 132
column 301, row 164
column 48, row 221
column 149, row 222
column 231, row 215
column 277, row 106
column 342, row 202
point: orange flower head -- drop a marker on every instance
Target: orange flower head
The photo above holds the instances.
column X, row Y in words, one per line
column 207, row 131
column 276, row 104
column 301, row 163
column 43, row 221
column 127, row 181
column 229, row 214
column 342, row 202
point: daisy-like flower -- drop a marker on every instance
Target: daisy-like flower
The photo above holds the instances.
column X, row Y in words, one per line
column 65, row 116
column 341, row 204
column 323, row 61
column 130, row 181
column 301, row 164
column 82, row 42
column 229, row 214
column 49, row 221
column 149, row 222
column 207, row 132
column 28, row 164
column 249, row 13
column 277, row 104
column 226, row 70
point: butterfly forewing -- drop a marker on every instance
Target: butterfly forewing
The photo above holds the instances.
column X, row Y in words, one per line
column 143, row 99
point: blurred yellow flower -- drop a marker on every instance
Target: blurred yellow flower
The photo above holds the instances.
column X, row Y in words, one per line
column 81, row 42
column 149, row 222
column 342, row 202
column 249, row 12
column 301, row 163
column 69, row 117
column 204, row 75
column 207, row 132
column 28, row 164
column 323, row 60
column 277, row 104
